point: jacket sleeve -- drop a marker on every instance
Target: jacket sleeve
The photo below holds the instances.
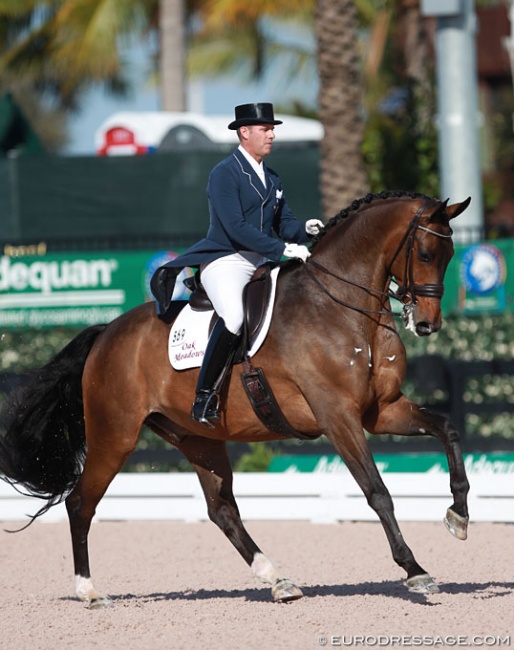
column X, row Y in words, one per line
column 227, row 214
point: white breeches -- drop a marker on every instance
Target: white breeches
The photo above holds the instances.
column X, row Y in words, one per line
column 224, row 280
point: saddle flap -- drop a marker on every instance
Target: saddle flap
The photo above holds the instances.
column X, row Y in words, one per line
column 256, row 296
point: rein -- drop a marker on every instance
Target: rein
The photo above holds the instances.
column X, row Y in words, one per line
column 408, row 287
column 375, row 292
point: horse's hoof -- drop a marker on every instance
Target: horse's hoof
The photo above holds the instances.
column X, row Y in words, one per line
column 284, row 591
column 456, row 524
column 422, row 584
column 99, row 603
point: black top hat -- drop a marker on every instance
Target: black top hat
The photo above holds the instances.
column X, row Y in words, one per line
column 248, row 114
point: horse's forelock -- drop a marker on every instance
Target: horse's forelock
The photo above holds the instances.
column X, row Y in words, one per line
column 369, row 198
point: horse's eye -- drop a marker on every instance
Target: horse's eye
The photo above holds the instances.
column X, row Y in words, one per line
column 424, row 256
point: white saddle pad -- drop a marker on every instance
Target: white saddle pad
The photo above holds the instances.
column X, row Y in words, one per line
column 190, row 333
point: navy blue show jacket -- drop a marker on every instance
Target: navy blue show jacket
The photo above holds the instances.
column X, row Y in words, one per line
column 243, row 217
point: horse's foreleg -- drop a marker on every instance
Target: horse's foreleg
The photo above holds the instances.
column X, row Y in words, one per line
column 355, row 452
column 210, row 461
column 406, row 418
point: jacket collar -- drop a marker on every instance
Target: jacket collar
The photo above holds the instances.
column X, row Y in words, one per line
column 253, row 178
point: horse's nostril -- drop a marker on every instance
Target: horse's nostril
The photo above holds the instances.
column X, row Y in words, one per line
column 424, row 329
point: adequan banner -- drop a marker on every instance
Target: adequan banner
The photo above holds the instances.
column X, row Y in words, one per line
column 74, row 290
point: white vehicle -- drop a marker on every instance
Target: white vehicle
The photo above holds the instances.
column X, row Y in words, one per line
column 140, row 133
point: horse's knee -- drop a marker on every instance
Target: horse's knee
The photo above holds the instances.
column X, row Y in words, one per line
column 443, row 429
column 451, row 433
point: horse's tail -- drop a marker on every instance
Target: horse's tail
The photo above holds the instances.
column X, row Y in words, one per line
column 42, row 434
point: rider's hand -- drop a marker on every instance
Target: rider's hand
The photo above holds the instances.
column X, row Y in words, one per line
column 313, row 226
column 297, row 250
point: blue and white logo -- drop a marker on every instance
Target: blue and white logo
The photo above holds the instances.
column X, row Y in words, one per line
column 483, row 268
column 180, row 292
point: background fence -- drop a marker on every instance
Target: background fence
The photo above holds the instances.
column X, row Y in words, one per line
column 132, row 202
column 316, row 497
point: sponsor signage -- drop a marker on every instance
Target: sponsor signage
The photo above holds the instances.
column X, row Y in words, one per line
column 65, row 289
column 75, row 290
column 480, row 279
column 430, row 463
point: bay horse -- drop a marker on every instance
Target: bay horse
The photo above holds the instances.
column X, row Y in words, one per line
column 333, row 357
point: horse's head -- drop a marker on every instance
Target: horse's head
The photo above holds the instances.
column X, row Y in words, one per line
column 414, row 249
column 420, row 262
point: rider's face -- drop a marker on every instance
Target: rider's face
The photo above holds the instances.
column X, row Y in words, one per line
column 258, row 139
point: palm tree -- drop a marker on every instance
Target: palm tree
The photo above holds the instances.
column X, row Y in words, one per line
column 343, row 176
column 172, row 54
column 238, row 38
column 64, row 46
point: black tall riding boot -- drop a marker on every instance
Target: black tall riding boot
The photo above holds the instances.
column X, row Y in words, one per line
column 219, row 354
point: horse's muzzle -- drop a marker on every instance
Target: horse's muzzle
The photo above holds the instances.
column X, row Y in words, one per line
column 421, row 322
column 424, row 328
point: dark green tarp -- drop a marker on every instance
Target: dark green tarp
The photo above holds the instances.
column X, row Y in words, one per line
column 129, row 198
column 16, row 133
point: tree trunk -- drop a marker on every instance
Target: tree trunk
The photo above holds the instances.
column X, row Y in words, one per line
column 412, row 29
column 172, row 54
column 343, row 176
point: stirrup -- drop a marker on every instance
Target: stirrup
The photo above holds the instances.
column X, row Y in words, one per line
column 205, row 408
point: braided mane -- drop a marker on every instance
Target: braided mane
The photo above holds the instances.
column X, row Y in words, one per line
column 369, row 198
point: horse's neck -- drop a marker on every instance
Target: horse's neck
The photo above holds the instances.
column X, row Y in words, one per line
column 358, row 255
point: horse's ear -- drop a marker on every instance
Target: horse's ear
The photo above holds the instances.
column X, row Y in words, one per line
column 437, row 214
column 457, row 208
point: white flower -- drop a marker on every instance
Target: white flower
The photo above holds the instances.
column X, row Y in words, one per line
column 280, row 193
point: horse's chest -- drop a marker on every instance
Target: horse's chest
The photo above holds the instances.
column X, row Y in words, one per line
column 376, row 370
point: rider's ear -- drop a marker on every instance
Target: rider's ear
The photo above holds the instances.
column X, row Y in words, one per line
column 457, row 208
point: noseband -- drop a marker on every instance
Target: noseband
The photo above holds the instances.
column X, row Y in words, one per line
column 409, row 290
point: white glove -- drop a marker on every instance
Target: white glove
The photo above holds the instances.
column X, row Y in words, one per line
column 313, row 226
column 297, row 250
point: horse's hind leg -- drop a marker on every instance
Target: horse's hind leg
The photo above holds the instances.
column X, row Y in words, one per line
column 210, row 461
column 103, row 462
column 406, row 418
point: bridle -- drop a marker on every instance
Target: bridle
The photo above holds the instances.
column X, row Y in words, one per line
column 408, row 291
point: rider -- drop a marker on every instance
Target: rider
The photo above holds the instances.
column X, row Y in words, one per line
column 246, row 204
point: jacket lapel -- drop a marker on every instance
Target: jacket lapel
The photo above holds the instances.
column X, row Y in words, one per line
column 270, row 186
column 250, row 175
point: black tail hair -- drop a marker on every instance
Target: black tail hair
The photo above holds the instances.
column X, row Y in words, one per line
column 42, row 433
